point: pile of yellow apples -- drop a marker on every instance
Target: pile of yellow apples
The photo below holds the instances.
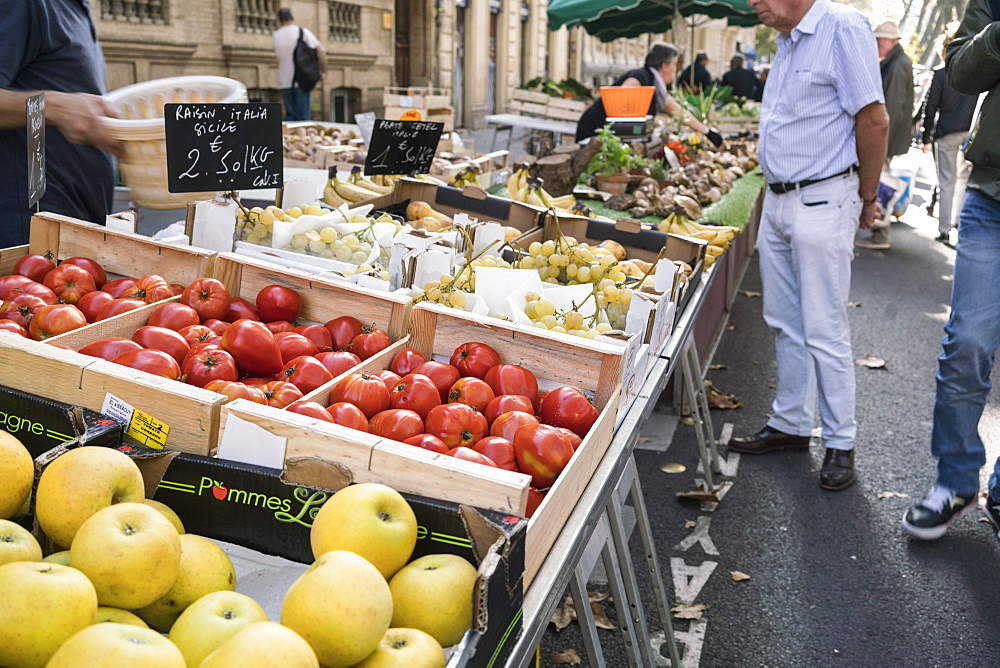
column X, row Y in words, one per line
column 132, row 588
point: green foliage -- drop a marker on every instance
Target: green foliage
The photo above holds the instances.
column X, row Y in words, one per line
column 702, row 104
column 570, row 88
column 765, row 43
column 736, row 205
column 615, row 156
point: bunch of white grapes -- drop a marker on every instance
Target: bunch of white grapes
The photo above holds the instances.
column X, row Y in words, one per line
column 256, row 225
column 454, row 290
column 612, row 306
column 568, row 262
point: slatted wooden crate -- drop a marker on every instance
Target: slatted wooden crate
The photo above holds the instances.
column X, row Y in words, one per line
column 416, row 97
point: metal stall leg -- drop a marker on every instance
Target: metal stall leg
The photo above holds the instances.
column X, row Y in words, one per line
column 509, row 129
column 704, row 432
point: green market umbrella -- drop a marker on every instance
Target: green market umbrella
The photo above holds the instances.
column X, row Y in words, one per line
column 609, row 20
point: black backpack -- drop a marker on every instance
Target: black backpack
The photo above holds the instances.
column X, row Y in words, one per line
column 307, row 71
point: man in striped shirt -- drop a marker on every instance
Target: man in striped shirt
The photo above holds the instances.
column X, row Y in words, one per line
column 823, row 130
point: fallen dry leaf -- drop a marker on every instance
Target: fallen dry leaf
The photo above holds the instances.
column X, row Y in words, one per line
column 599, row 596
column 719, row 399
column 568, row 656
column 887, row 495
column 717, row 367
column 750, row 293
column 564, row 614
column 738, row 577
column 689, row 610
column 854, row 557
column 731, row 327
column 690, row 524
column 701, row 494
column 783, row 528
column 853, row 304
column 872, row 362
column 687, row 420
column 643, row 439
column 601, row 620
column 673, row 467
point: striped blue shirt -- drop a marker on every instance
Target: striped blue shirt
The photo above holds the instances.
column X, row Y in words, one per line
column 825, row 71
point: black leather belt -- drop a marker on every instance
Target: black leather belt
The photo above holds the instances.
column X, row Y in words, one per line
column 782, row 188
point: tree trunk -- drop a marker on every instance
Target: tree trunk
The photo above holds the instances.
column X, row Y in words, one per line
column 556, row 173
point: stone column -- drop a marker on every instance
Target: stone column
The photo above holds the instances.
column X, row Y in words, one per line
column 559, row 61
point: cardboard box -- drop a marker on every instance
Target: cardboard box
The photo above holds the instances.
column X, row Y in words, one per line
column 42, row 424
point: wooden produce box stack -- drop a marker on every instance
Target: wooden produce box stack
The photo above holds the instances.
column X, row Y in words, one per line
column 435, row 332
column 433, row 104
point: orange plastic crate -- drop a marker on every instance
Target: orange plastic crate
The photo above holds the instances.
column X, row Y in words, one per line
column 627, row 101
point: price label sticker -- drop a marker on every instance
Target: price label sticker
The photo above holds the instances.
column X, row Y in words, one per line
column 148, row 430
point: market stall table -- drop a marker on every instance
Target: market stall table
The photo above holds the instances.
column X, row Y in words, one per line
column 509, row 121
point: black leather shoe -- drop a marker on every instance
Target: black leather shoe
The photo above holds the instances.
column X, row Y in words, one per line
column 766, row 440
column 838, row 470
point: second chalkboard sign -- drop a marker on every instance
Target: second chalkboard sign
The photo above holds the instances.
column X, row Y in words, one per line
column 223, row 146
column 402, row 147
column 36, row 147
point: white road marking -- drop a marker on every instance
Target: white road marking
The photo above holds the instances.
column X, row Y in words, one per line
column 689, row 580
column 699, row 535
column 709, row 506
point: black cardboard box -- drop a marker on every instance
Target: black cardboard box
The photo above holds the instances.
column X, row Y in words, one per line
column 41, row 424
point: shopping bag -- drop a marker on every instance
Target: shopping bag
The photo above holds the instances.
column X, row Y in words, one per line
column 307, row 71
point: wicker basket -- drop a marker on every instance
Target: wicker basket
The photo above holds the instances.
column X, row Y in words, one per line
column 627, row 101
column 140, row 127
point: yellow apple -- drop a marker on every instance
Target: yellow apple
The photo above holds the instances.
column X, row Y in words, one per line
column 17, row 471
column 17, row 543
column 371, row 520
column 261, row 645
column 78, row 484
column 61, row 557
column 40, row 607
column 130, row 552
column 167, row 512
column 111, row 644
column 212, row 620
column 205, row 568
column 119, row 616
column 434, row 594
column 411, row 648
column 341, row 606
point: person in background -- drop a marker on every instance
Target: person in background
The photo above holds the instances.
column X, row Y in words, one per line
column 972, row 334
column 695, row 77
column 823, row 132
column 659, row 68
column 50, row 46
column 298, row 102
column 758, row 94
column 897, row 87
column 743, row 81
column 947, row 119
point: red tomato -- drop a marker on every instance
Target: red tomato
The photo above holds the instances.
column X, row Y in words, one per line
column 34, row 266
column 572, row 436
column 117, row 307
column 506, row 425
column 348, row 415
column 200, row 348
column 474, row 359
column 253, row 347
column 279, row 326
column 69, row 282
column 208, row 365
column 309, row 409
column 175, row 316
column 294, row 345
column 318, row 334
column 471, row 391
column 428, row 442
column 256, row 381
column 542, row 452
column 93, row 268
column 470, row 455
column 54, row 319
column 535, row 498
column 167, row 340
column 7, row 283
column 512, row 379
column 415, row 392
column 405, row 361
column 177, row 289
column 155, row 362
column 92, row 302
column 240, row 309
column 151, row 288
column 339, row 362
column 398, row 424
column 216, row 325
column 209, row 297
column 12, row 327
column 370, row 342
column 455, row 424
column 506, row 403
column 306, row 373
column 21, row 309
column 37, row 290
column 390, row 379
column 276, row 302
column 442, row 374
column 568, row 407
column 236, row 390
column 280, row 393
column 110, row 348
column 343, row 330
column 499, row 450
column 119, row 287
column 196, row 334
column 366, row 392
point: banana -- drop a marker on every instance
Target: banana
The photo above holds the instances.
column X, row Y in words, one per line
column 536, row 195
column 563, row 202
column 430, row 179
column 518, row 179
column 362, row 181
column 714, row 251
column 353, row 193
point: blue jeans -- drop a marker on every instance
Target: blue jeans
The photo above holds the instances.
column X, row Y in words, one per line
column 971, row 337
column 297, row 107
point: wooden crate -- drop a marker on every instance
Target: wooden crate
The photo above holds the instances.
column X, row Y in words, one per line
column 9, row 257
column 416, row 97
column 436, row 332
column 434, row 115
column 524, row 95
column 565, row 110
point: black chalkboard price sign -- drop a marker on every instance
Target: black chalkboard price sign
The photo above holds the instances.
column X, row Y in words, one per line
column 223, row 146
column 402, row 147
column 35, row 109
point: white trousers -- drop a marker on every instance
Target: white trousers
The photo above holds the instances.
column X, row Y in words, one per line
column 806, row 245
column 953, row 174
